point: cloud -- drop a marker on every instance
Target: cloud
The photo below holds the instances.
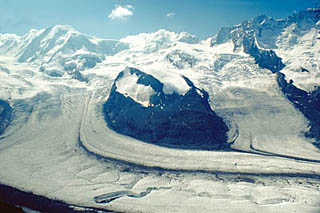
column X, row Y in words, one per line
column 170, row 14
column 121, row 12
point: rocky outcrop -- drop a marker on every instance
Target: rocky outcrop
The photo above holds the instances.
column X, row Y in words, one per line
column 5, row 115
column 166, row 119
column 266, row 59
column 78, row 76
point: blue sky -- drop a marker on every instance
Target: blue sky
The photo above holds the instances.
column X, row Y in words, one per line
column 95, row 17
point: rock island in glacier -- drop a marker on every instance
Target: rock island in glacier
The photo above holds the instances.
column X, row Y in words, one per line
column 145, row 108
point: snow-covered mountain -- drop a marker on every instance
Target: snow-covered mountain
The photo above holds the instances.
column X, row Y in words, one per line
column 58, row 48
column 289, row 47
column 294, row 39
column 259, row 79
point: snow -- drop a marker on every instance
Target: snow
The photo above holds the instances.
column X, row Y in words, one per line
column 41, row 151
column 56, row 45
column 300, row 52
column 171, row 86
column 188, row 38
column 127, row 85
column 150, row 42
column 172, row 82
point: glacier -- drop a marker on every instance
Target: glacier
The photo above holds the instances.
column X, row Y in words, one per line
column 262, row 79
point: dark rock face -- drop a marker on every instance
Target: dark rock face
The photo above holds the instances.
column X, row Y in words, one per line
column 78, row 76
column 171, row 120
column 307, row 103
column 264, row 58
column 5, row 115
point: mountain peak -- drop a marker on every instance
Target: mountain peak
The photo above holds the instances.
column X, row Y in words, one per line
column 57, row 29
column 59, row 46
column 188, row 38
column 266, row 29
column 63, row 27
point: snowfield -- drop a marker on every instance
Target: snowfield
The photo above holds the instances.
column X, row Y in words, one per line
column 59, row 146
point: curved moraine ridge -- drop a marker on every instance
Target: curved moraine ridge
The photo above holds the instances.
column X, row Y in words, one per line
column 156, row 113
column 5, row 115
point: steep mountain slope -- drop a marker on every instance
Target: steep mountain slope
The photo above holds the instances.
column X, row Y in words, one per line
column 290, row 46
column 294, row 39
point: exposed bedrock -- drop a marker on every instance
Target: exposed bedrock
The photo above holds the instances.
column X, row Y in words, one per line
column 164, row 118
column 266, row 59
column 5, row 115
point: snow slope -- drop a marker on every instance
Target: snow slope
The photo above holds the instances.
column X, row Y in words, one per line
column 58, row 144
